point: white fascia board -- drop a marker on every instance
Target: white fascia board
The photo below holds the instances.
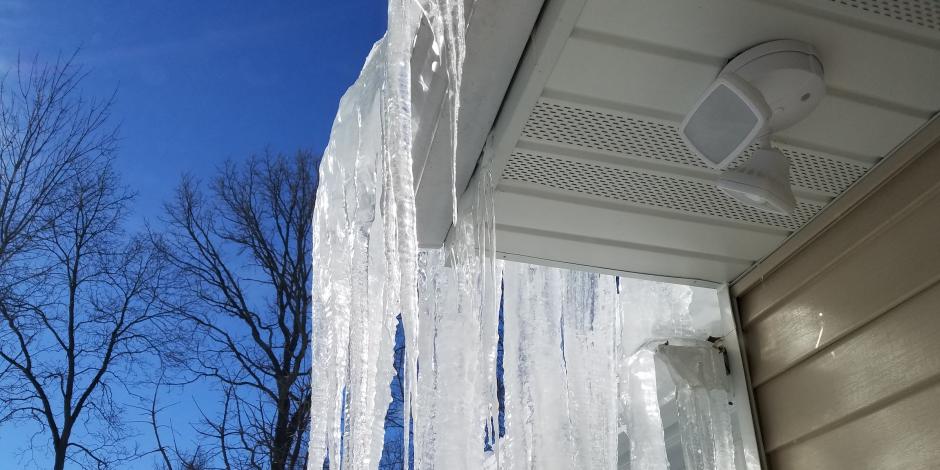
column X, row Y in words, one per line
column 497, row 34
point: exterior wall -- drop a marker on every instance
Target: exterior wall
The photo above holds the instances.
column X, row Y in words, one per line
column 843, row 337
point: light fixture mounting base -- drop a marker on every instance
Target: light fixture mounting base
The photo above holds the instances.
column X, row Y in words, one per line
column 789, row 75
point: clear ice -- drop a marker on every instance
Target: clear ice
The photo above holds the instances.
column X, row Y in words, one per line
column 365, row 254
column 600, row 372
column 455, row 401
column 559, row 369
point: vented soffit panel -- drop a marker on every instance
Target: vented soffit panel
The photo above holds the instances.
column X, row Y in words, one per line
column 590, row 167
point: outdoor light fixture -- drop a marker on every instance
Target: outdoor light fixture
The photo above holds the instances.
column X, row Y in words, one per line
column 764, row 89
column 762, row 182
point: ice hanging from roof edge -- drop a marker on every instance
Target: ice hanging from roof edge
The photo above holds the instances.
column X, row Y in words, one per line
column 353, row 281
column 365, row 251
column 365, row 247
column 567, row 333
column 448, row 22
column 698, row 372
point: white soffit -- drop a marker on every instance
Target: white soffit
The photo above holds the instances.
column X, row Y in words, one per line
column 591, row 170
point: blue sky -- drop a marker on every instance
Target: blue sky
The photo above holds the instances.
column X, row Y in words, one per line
column 199, row 82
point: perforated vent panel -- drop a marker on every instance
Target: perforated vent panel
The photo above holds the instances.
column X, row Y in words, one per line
column 620, row 134
column 570, row 125
column 636, row 187
column 811, row 171
column 924, row 13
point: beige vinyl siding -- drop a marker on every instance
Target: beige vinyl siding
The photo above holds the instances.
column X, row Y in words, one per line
column 843, row 338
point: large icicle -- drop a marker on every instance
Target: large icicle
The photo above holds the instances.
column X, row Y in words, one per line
column 403, row 20
column 364, row 253
column 538, row 431
column 347, row 202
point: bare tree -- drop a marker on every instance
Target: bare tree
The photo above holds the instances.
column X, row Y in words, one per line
column 76, row 293
column 83, row 325
column 49, row 134
column 242, row 252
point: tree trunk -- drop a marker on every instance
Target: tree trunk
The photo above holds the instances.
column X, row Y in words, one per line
column 282, row 438
column 60, row 449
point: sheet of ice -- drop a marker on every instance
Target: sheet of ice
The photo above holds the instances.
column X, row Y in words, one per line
column 559, row 375
column 677, row 394
column 641, row 412
column 458, row 312
column 654, row 309
column 698, row 372
column 647, row 310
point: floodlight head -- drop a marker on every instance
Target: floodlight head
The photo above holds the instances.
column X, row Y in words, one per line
column 762, row 182
column 726, row 119
column 762, row 90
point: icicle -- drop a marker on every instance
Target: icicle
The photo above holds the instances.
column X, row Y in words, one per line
column 537, row 427
column 448, row 20
column 343, row 217
column 403, row 20
column 364, row 253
